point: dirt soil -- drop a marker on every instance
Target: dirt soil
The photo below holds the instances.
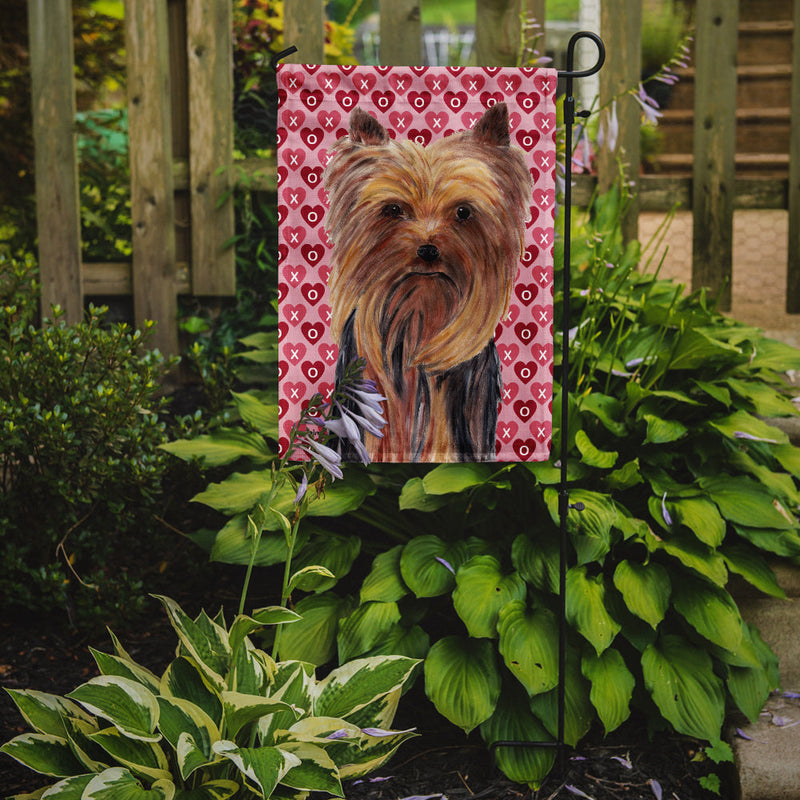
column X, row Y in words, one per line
column 44, row 654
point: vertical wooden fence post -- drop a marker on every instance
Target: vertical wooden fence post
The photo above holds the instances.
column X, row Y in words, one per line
column 152, row 201
column 210, row 54
column 400, row 32
column 621, row 28
column 56, row 160
column 497, row 32
column 793, row 267
column 534, row 10
column 304, row 27
column 714, row 146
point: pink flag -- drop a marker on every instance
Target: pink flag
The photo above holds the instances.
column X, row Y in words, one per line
column 416, row 209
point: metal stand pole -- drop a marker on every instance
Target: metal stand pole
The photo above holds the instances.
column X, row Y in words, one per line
column 563, row 495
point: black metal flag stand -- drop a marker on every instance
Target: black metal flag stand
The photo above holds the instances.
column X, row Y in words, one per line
column 564, row 506
column 563, row 494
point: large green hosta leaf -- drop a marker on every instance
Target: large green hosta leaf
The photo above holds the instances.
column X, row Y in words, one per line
column 682, row 683
column 537, row 560
column 586, row 608
column 313, row 637
column 700, row 516
column 529, row 645
column 513, row 721
column 462, row 680
column 646, row 589
column 709, row 609
column 745, row 502
column 448, row 478
column 223, row 446
column 428, row 565
column 481, row 591
column 612, row 686
column 365, row 627
column 746, row 561
column 385, row 582
column 335, row 553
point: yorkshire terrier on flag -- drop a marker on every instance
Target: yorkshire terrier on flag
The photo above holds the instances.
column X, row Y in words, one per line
column 427, row 241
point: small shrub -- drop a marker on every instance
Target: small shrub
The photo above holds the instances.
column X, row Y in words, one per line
column 79, row 430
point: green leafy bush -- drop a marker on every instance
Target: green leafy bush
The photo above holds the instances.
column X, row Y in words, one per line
column 223, row 717
column 79, row 464
column 683, row 484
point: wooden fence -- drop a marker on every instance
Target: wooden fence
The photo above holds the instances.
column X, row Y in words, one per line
column 181, row 133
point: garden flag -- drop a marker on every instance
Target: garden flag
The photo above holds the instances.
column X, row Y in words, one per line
column 416, row 209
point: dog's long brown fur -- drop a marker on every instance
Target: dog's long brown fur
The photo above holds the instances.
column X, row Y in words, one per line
column 427, row 242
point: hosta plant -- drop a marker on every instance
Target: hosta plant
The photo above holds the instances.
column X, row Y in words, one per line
column 224, row 720
column 684, row 482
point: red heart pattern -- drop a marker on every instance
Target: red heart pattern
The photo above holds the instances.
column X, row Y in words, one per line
column 421, row 104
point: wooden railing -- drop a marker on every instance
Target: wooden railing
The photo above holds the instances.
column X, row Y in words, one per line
column 181, row 133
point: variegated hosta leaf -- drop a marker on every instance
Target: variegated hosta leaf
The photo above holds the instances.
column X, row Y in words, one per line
column 145, row 759
column 126, row 704
column 316, row 771
column 242, row 709
column 117, row 783
column 529, row 645
column 646, row 589
column 204, row 641
column 586, row 608
column 294, row 684
column 462, row 680
column 371, row 754
column 683, row 685
column 125, row 668
column 179, row 718
column 78, row 733
column 212, row 790
column 262, row 766
column 44, row 753
column 612, row 686
column 68, row 789
column 513, row 721
column 252, row 670
column 183, row 679
column 45, row 712
column 358, row 683
column 481, row 591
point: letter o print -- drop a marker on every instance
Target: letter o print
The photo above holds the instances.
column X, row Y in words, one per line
column 527, row 141
column 525, row 373
column 524, row 451
column 312, row 139
column 313, row 217
column 312, row 294
column 312, row 373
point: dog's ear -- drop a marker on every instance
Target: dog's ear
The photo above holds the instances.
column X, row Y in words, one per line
column 492, row 127
column 365, row 129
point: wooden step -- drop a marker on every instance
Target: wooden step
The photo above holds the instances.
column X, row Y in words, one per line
column 758, row 85
column 754, row 10
column 765, row 42
column 758, row 130
column 763, row 165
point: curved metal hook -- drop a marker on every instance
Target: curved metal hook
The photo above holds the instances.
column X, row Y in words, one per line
column 273, row 62
column 584, row 73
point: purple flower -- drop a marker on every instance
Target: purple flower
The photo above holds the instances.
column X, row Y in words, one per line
column 301, row 489
column 624, row 761
column 649, row 106
column 342, row 733
column 445, row 563
column 577, row 792
column 655, row 786
column 664, row 512
column 751, row 437
column 327, row 458
column 608, row 132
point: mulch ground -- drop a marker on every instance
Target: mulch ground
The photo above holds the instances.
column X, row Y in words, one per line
column 44, row 654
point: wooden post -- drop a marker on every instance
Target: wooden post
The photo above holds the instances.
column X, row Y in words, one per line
column 56, row 159
column 621, row 28
column 304, row 27
column 535, row 12
column 793, row 267
column 210, row 53
column 714, row 147
column 152, row 202
column 400, row 32
column 497, row 32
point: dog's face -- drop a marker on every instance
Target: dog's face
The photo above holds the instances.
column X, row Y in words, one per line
column 427, row 240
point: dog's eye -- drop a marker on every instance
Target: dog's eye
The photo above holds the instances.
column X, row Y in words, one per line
column 463, row 213
column 392, row 210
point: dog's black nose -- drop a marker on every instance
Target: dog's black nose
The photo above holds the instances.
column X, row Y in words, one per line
column 428, row 252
